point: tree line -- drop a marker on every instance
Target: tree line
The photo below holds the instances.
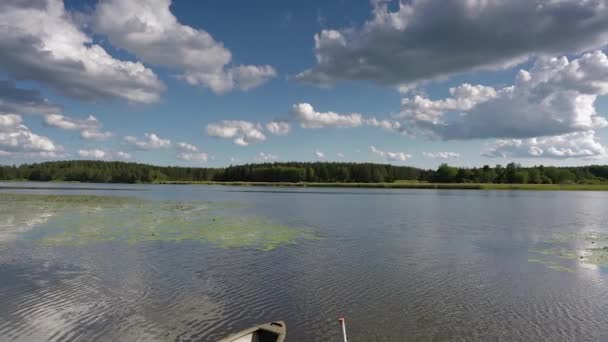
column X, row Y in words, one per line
column 123, row 172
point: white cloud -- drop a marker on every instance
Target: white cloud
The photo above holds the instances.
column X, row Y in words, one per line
column 243, row 133
column 10, row 121
column 305, row 114
column 89, row 128
column 319, row 154
column 190, row 152
column 186, row 147
column 555, row 97
column 17, row 140
column 425, row 39
column 265, row 157
column 95, row 135
column 40, row 41
column 150, row 31
column 340, row 155
column 391, row 156
column 151, row 141
column 196, row 156
column 123, row 155
column 63, row 122
column 103, row 154
column 278, row 127
column 93, row 154
column 571, row 145
column 464, row 97
column 441, row 155
column 385, row 124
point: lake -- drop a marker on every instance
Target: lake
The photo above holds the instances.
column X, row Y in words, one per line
column 195, row 263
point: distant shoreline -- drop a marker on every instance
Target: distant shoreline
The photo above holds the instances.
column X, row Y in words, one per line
column 410, row 185
column 394, row 185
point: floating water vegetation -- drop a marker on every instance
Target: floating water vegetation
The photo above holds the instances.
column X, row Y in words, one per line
column 586, row 247
column 78, row 219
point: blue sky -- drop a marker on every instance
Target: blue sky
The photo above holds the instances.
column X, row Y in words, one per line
column 212, row 83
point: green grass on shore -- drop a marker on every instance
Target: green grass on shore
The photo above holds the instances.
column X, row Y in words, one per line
column 415, row 185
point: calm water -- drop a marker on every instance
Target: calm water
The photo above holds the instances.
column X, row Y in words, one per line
column 399, row 264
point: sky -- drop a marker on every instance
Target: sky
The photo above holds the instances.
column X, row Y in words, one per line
column 213, row 83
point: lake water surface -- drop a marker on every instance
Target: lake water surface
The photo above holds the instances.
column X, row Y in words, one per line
column 399, row 264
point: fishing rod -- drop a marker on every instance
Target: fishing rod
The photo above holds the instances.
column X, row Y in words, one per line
column 343, row 325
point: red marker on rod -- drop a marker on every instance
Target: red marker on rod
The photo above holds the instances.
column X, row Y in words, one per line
column 343, row 325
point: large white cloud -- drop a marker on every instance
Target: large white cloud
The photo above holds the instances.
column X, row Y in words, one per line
column 425, row 39
column 557, row 96
column 103, row 154
column 242, row 133
column 391, row 156
column 148, row 29
column 571, row 145
column 151, row 141
column 17, row 140
column 89, row 128
column 306, row 115
column 40, row 41
column 190, row 152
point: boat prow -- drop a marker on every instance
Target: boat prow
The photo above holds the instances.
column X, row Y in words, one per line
column 269, row 332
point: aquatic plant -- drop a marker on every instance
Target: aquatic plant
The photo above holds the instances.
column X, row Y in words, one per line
column 78, row 220
column 586, row 247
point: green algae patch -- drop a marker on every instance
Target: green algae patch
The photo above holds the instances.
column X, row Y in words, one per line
column 586, row 248
column 81, row 220
column 597, row 256
column 555, row 266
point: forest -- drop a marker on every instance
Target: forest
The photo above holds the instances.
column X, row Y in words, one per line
column 326, row 172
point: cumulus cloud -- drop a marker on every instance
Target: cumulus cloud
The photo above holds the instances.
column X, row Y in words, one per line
column 103, row 154
column 17, row 140
column 386, row 124
column 425, row 39
column 150, row 31
column 23, row 101
column 391, row 156
column 340, row 155
column 441, row 155
column 151, row 141
column 278, row 127
column 242, row 133
column 265, row 157
column 40, row 41
column 190, row 152
column 95, row 135
column 463, row 98
column 306, row 115
column 571, row 145
column 319, row 154
column 555, row 97
column 89, row 128
column 186, row 147
column 308, row 118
